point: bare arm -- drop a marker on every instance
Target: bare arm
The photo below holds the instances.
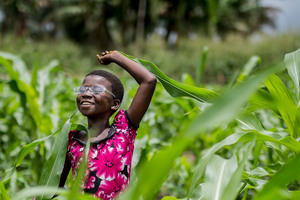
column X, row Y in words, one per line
column 145, row 79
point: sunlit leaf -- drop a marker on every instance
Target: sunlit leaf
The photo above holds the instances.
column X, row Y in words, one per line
column 284, row 102
column 248, row 68
column 175, row 88
column 292, row 61
column 3, row 192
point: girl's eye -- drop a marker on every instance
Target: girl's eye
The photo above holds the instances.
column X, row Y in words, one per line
column 82, row 89
column 97, row 90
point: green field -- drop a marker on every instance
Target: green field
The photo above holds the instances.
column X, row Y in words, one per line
column 235, row 138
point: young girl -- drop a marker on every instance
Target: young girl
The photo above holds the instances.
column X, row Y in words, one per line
column 110, row 155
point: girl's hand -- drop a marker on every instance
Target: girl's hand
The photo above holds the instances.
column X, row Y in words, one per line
column 107, row 57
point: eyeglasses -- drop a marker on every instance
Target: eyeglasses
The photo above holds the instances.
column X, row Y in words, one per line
column 94, row 89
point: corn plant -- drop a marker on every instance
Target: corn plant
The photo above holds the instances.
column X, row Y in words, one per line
column 243, row 137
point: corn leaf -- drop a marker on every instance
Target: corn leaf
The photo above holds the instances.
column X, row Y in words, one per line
column 217, row 176
column 53, row 167
column 24, row 88
column 3, row 193
column 274, row 187
column 228, row 105
column 292, row 61
column 26, row 149
column 284, row 102
column 200, row 70
column 224, row 109
column 248, row 68
column 200, row 168
column 175, row 88
column 232, row 187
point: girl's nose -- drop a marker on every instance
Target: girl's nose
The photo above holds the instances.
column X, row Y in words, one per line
column 88, row 93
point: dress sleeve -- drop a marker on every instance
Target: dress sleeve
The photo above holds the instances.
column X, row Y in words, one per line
column 122, row 122
column 71, row 134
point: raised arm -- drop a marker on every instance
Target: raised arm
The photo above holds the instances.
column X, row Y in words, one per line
column 145, row 79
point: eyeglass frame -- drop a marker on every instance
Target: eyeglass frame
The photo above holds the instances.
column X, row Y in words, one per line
column 91, row 89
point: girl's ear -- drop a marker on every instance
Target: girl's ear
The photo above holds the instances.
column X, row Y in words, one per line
column 116, row 104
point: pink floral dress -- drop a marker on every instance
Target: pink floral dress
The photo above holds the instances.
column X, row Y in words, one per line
column 109, row 161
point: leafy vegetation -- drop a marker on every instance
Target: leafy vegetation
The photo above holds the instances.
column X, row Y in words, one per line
column 106, row 23
column 239, row 141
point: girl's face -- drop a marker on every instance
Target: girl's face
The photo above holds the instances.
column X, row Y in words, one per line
column 92, row 104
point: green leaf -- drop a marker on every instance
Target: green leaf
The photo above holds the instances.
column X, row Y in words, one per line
column 53, row 167
column 3, row 193
column 208, row 154
column 248, row 68
column 174, row 88
column 200, row 70
column 292, row 61
column 37, row 191
column 217, row 176
column 249, row 123
column 187, row 79
column 169, row 198
column 223, row 110
column 19, row 67
column 44, row 79
column 11, row 67
column 26, row 149
column 288, row 173
column 229, row 104
column 47, row 190
column 233, row 186
column 284, row 102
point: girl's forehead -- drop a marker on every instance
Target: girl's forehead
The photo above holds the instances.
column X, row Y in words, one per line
column 96, row 80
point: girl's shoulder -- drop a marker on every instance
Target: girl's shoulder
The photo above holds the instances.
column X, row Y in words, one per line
column 77, row 135
column 123, row 121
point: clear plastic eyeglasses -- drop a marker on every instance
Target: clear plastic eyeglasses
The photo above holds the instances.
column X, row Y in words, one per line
column 94, row 89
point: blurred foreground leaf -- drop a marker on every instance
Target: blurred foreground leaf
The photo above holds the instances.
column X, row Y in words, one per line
column 3, row 193
column 223, row 110
column 53, row 167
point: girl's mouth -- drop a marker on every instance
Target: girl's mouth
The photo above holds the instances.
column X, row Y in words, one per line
column 86, row 103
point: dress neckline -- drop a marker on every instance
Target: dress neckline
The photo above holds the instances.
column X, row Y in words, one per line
column 81, row 136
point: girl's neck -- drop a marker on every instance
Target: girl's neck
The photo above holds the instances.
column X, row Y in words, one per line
column 97, row 125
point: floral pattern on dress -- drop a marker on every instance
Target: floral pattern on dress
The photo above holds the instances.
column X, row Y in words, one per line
column 109, row 161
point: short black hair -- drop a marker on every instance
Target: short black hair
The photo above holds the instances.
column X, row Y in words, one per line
column 116, row 85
